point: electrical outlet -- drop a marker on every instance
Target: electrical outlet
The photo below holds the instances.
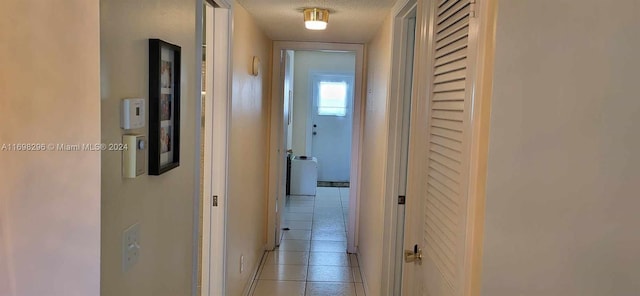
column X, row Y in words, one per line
column 241, row 263
column 130, row 246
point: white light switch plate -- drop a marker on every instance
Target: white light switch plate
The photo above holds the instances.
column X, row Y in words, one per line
column 130, row 246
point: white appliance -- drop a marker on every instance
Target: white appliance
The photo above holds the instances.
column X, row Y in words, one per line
column 304, row 175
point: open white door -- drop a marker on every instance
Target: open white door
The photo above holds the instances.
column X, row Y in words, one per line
column 215, row 133
column 442, row 201
column 281, row 197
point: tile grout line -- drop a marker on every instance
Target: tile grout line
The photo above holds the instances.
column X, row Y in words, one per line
column 313, row 213
column 306, row 279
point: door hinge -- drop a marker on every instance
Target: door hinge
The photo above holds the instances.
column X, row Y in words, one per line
column 402, row 199
column 214, row 201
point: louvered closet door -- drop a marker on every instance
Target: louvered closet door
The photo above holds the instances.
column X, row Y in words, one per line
column 444, row 196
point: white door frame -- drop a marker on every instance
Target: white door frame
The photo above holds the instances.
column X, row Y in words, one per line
column 215, row 142
column 401, row 13
column 277, row 150
column 418, row 141
column 480, row 69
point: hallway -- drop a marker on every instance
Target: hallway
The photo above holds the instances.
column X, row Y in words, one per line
column 312, row 258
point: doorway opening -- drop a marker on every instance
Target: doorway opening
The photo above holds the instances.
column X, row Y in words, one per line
column 316, row 119
column 318, row 99
column 320, row 111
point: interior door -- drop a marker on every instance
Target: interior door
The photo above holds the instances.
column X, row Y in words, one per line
column 281, row 198
column 438, row 199
column 332, row 119
column 406, row 98
column 214, row 157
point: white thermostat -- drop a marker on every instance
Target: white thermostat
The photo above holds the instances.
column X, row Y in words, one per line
column 133, row 155
column 132, row 113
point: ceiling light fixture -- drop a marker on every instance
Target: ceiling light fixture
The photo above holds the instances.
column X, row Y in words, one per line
column 316, row 18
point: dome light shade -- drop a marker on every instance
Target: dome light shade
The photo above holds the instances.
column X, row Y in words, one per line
column 316, row 18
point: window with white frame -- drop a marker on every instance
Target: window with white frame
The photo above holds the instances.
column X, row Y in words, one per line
column 332, row 98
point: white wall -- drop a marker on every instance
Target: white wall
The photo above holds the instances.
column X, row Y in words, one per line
column 562, row 192
column 247, row 196
column 49, row 200
column 374, row 153
column 306, row 62
column 163, row 205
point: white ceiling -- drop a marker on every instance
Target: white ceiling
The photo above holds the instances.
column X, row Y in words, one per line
column 350, row 21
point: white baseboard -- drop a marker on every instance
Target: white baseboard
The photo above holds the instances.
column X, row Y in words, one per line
column 249, row 286
column 362, row 275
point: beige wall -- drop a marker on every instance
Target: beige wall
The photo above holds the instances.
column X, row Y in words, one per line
column 306, row 62
column 374, row 149
column 163, row 205
column 49, row 200
column 247, row 206
column 562, row 194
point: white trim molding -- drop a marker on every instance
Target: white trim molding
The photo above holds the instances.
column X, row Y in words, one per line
column 397, row 92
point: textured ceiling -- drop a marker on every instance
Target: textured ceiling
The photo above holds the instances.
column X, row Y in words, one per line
column 350, row 21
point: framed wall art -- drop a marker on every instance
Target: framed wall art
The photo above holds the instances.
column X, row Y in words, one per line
column 164, row 106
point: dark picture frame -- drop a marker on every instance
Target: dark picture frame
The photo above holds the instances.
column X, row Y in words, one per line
column 164, row 106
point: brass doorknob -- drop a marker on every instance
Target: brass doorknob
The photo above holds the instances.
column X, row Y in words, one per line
column 414, row 255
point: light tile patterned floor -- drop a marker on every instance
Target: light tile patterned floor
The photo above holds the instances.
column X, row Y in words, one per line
column 312, row 259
